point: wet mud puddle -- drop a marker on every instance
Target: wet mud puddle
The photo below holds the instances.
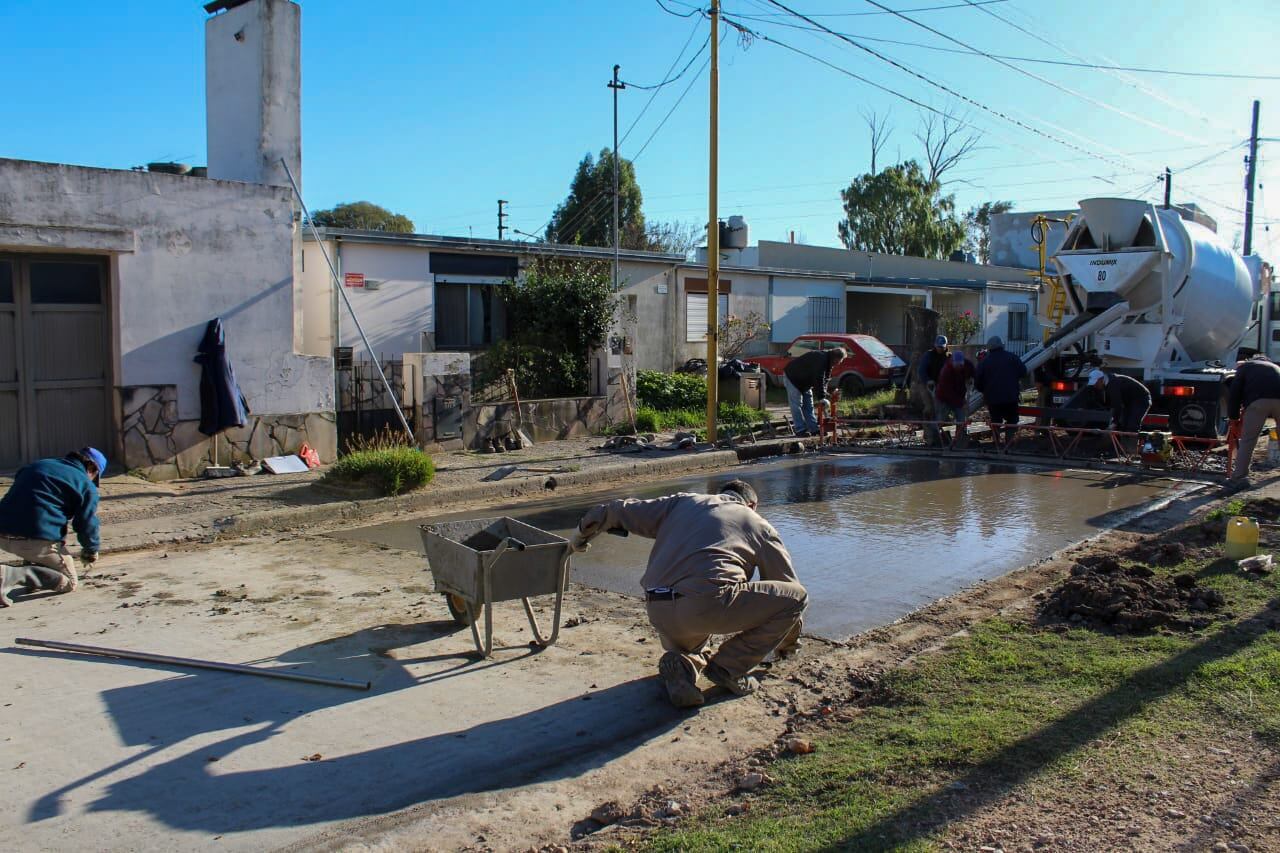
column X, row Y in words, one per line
column 873, row 538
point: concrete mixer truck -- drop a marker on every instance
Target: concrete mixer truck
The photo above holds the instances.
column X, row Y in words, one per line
column 1156, row 297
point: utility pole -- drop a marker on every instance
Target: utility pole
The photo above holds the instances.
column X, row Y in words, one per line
column 615, row 86
column 501, row 216
column 1249, row 182
column 1168, row 186
column 713, row 232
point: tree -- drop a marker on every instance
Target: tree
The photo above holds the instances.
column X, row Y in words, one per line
column 585, row 217
column 946, row 142
column 675, row 237
column 738, row 331
column 557, row 311
column 879, row 129
column 363, row 216
column 900, row 212
column 977, row 224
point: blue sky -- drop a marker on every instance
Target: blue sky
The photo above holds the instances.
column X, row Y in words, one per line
column 437, row 109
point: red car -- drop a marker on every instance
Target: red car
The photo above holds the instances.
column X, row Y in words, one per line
column 870, row 363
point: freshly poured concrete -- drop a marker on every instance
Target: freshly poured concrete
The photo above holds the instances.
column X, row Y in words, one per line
column 873, row 538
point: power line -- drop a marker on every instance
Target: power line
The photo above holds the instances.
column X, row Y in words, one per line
column 865, row 14
column 1046, row 81
column 765, row 17
column 928, row 80
column 689, row 14
column 1120, row 75
column 670, row 80
column 697, row 25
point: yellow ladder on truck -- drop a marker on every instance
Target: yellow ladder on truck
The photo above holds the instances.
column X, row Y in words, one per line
column 1057, row 288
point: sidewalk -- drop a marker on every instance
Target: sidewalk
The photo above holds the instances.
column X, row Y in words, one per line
column 136, row 513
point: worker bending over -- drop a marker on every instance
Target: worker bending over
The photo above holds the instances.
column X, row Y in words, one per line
column 698, row 583
column 1255, row 391
column 806, row 379
column 45, row 497
column 1128, row 399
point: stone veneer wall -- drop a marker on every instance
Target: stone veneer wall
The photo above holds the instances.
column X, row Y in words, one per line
column 544, row 420
column 162, row 447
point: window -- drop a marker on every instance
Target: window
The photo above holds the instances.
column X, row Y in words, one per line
column 801, row 347
column 1018, row 322
column 469, row 316
column 6, row 281
column 695, row 318
column 65, row 283
column 1275, row 336
column 824, row 315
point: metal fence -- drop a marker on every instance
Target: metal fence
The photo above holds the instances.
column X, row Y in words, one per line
column 365, row 409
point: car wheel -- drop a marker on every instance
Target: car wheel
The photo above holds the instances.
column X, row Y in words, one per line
column 851, row 385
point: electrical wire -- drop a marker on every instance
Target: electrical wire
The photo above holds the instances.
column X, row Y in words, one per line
column 866, row 14
column 765, row 17
column 941, row 86
column 1045, row 80
column 697, row 25
column 1119, row 75
column 689, row 14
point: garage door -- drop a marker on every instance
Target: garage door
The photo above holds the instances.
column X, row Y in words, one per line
column 54, row 382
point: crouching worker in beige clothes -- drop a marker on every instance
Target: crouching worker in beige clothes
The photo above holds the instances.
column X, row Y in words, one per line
column 698, row 583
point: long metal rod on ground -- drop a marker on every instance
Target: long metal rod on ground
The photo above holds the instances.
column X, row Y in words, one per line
column 352, row 311
column 195, row 664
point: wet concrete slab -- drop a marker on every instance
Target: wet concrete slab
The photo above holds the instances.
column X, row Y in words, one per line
column 873, row 538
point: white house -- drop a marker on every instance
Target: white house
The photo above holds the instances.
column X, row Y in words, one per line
column 108, row 279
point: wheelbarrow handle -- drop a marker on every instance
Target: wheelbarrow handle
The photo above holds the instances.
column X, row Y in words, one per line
column 512, row 542
column 618, row 531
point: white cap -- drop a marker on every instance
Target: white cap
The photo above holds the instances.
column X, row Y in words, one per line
column 1095, row 375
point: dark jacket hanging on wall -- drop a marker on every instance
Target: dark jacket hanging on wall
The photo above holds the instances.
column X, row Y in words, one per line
column 222, row 406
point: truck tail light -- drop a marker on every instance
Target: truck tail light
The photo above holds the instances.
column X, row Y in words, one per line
column 1063, row 386
column 1179, row 390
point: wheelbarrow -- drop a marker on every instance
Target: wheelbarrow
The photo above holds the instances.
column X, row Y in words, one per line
column 475, row 563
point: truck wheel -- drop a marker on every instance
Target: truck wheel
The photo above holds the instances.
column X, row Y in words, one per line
column 851, row 385
column 458, row 609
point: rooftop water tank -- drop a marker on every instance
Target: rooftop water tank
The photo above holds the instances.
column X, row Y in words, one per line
column 735, row 234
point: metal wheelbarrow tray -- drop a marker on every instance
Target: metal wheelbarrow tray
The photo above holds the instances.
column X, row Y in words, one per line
column 475, row 563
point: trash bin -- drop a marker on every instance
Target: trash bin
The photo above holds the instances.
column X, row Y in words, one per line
column 745, row 388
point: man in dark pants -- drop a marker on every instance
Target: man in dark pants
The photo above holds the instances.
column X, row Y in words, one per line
column 45, row 497
column 698, row 583
column 1128, row 399
column 999, row 378
column 806, row 379
column 1256, row 392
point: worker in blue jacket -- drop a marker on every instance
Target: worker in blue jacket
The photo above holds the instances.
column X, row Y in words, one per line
column 46, row 497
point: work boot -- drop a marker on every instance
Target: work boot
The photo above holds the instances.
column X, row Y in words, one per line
column 743, row 685
column 681, row 681
column 11, row 578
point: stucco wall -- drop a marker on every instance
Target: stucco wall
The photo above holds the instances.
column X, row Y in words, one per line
column 398, row 311
column 201, row 249
column 794, row 256
column 790, row 304
column 654, row 289
column 253, row 92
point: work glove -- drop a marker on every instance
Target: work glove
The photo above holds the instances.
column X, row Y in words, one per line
column 579, row 542
column 591, row 522
column 88, row 558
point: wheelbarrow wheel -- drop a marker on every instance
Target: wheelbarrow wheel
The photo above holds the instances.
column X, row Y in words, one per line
column 458, row 609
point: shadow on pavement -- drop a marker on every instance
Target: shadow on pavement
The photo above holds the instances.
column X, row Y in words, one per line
column 187, row 792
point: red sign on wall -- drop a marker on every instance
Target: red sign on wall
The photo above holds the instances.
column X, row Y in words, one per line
column 353, row 279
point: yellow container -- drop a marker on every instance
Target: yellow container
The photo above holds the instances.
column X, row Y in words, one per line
column 1242, row 537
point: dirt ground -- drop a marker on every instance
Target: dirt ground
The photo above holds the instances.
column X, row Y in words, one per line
column 443, row 753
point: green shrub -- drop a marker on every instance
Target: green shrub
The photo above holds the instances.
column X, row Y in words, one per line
column 734, row 417
column 390, row 470
column 669, row 391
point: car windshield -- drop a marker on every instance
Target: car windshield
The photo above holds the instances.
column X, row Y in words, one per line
column 877, row 350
